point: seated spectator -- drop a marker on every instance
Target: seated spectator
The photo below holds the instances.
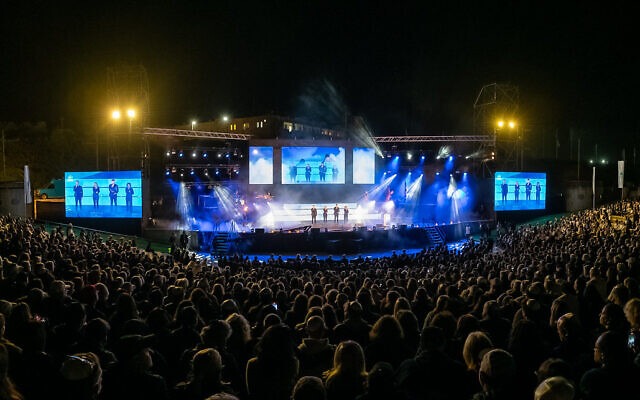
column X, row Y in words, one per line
column 386, row 343
column 347, row 378
column 380, row 384
column 272, row 374
column 205, row 379
column 475, row 347
column 555, row 367
column 432, row 373
column 615, row 369
column 632, row 313
column 309, row 388
column 132, row 377
column 555, row 388
column 82, row 376
column 354, row 327
column 7, row 389
column 497, row 373
column 315, row 352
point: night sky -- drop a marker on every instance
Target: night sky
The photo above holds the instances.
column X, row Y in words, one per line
column 406, row 67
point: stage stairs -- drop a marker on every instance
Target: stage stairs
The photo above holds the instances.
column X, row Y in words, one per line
column 435, row 235
column 221, row 244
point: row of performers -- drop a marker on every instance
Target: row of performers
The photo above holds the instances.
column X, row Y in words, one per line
column 325, row 213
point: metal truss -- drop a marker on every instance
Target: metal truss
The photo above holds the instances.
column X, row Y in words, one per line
column 423, row 139
column 194, row 134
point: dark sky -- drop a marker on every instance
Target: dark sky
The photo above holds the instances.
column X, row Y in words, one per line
column 412, row 67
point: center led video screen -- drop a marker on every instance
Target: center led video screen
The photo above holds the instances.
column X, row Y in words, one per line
column 313, row 165
column 518, row 191
column 103, row 194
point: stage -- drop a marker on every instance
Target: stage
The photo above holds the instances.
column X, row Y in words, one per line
column 320, row 238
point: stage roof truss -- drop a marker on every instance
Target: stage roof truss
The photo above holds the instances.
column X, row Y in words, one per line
column 425, row 139
column 194, row 134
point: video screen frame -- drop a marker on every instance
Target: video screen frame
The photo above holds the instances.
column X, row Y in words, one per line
column 313, row 165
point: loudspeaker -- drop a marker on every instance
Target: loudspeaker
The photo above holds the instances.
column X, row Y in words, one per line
column 315, row 231
column 259, row 231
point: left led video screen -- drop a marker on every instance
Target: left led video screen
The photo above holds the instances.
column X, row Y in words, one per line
column 103, row 194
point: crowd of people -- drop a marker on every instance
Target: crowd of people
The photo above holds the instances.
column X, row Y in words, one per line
column 543, row 312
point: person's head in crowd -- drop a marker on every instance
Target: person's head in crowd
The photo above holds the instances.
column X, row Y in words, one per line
column 348, row 361
column 619, row 295
column 554, row 367
column 555, row 388
column 96, row 332
column 126, row 306
column 610, row 350
column 222, row 396
column 240, row 328
column 353, row 310
column 7, row 388
column 207, row 365
column 133, row 352
column 380, row 380
column 216, row 334
column 632, row 313
column 432, row 339
column 491, row 310
column 315, row 327
column 228, row 307
column 58, row 289
column 568, row 327
column 446, row 321
column 475, row 346
column 467, row 323
column 271, row 319
column 612, row 318
column 276, row 344
column 386, row 330
column 187, row 317
column 5, row 307
column 158, row 320
column 497, row 371
column 82, row 376
column 558, row 308
column 309, row 388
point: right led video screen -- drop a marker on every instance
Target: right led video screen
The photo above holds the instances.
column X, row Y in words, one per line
column 518, row 191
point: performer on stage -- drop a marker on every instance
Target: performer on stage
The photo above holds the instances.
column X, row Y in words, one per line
column 322, row 171
column 314, row 214
column 505, row 189
column 307, row 173
column 96, row 194
column 516, row 191
column 336, row 212
column 77, row 193
column 538, row 190
column 325, row 214
column 346, row 213
column 128, row 190
column 113, row 192
column 527, row 189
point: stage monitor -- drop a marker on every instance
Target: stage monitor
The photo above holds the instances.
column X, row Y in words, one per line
column 260, row 165
column 102, row 194
column 519, row 191
column 364, row 166
column 313, row 165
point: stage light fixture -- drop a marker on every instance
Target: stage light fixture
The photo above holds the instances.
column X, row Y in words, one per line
column 181, row 154
column 167, row 172
column 173, row 170
column 206, row 172
column 192, row 172
column 422, row 158
column 168, row 153
column 193, row 155
column 205, row 155
column 409, row 156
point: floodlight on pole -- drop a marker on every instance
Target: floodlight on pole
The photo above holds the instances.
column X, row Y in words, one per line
column 115, row 114
column 193, row 124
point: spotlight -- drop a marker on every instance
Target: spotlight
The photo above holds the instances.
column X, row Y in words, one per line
column 217, row 171
column 219, row 155
column 192, row 172
column 206, row 172
column 173, row 170
column 193, row 155
column 181, row 154
column 450, row 158
column 422, row 158
column 409, row 156
column 168, row 153
column 167, row 172
column 205, row 155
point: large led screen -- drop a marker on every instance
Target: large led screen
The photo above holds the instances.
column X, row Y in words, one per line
column 364, row 166
column 520, row 191
column 101, row 194
column 313, row 165
column 261, row 165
